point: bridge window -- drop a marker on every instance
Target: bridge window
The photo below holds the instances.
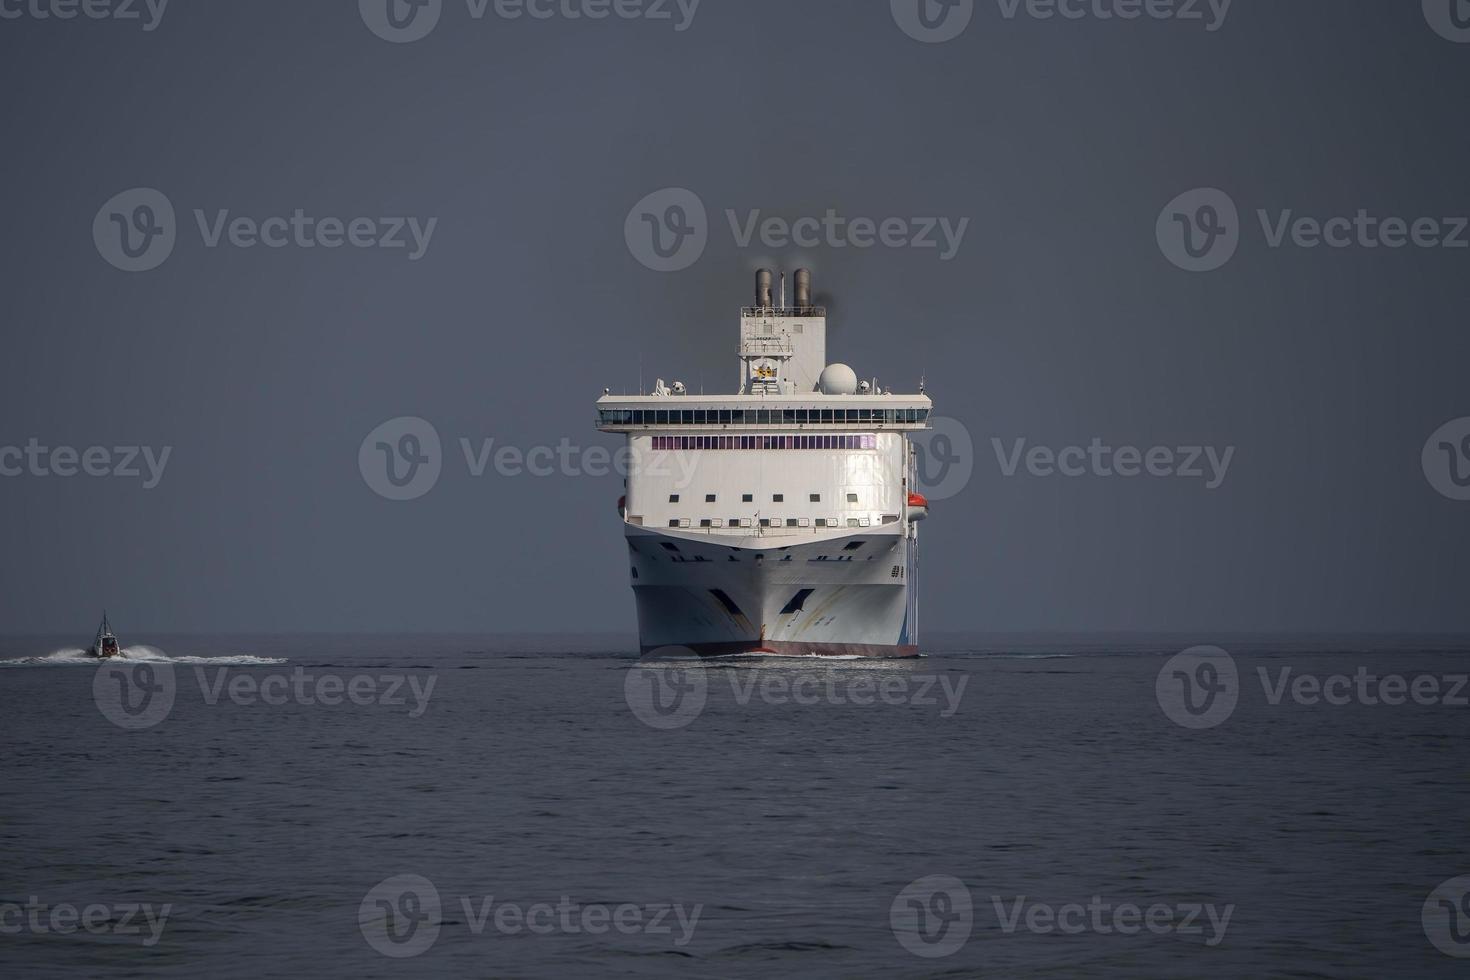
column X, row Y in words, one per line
column 661, row 443
column 673, row 498
column 789, row 416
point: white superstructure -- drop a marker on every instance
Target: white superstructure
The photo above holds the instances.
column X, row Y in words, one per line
column 781, row 519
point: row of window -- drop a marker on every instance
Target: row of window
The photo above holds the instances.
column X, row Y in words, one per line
column 772, row 522
column 746, row 498
column 758, row 416
column 765, row 442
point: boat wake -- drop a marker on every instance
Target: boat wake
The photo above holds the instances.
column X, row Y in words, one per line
column 74, row 656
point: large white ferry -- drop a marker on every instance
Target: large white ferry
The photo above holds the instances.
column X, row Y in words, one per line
column 781, row 519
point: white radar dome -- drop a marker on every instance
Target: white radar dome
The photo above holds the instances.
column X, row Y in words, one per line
column 838, row 379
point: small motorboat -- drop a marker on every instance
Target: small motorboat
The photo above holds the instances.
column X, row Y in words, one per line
column 105, row 645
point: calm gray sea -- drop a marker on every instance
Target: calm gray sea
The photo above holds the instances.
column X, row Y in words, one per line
column 547, row 807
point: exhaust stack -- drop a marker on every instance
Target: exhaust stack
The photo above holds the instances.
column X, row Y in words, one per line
column 763, row 288
column 803, row 288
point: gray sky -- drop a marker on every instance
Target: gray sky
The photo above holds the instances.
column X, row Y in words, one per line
column 1058, row 319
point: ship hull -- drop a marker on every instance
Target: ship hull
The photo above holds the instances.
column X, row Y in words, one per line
column 832, row 594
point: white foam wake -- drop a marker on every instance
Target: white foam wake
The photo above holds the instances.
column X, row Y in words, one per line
column 73, row 656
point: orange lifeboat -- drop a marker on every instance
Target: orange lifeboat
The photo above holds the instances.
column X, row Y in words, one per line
column 918, row 507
